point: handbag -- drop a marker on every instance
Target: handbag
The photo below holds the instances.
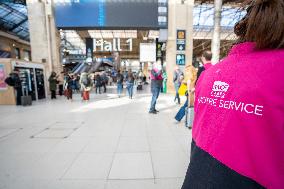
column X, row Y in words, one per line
column 182, row 89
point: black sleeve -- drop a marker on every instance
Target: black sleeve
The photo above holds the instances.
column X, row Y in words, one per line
column 200, row 70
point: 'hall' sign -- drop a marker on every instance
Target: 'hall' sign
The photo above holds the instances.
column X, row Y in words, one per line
column 115, row 45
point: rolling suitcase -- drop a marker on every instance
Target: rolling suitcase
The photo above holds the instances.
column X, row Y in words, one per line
column 26, row 99
column 86, row 95
column 180, row 114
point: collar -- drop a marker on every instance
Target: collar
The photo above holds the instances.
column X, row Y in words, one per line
column 243, row 48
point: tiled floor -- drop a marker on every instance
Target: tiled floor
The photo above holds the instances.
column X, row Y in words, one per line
column 106, row 143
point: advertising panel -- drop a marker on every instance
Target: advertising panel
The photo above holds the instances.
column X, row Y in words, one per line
column 3, row 85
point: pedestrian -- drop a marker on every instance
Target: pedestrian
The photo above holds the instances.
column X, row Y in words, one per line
column 205, row 62
column 98, row 83
column 189, row 81
column 68, row 87
column 119, row 79
column 104, row 81
column 130, row 83
column 177, row 78
column 238, row 133
column 110, row 80
column 61, row 83
column 156, row 84
column 14, row 81
column 53, row 80
column 85, row 83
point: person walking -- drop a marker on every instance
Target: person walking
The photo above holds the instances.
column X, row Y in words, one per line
column 104, row 80
column 85, row 83
column 61, row 83
column 98, row 83
column 52, row 84
column 119, row 78
column 238, row 133
column 68, row 87
column 130, row 84
column 189, row 81
column 156, row 85
column 177, row 78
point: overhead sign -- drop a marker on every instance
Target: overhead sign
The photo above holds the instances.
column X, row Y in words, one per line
column 111, row 14
column 180, row 59
column 180, row 45
column 113, row 45
column 147, row 52
column 160, row 49
column 163, row 13
column 181, row 38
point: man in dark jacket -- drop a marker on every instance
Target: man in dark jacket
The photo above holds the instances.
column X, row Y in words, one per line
column 206, row 62
column 53, row 84
column 14, row 81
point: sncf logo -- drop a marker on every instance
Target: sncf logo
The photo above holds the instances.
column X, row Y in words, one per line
column 219, row 89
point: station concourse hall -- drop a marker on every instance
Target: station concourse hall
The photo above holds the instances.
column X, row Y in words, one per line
column 141, row 94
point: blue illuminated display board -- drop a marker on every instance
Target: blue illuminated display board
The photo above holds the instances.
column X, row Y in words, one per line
column 110, row 14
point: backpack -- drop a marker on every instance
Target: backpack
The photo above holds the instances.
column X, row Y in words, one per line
column 86, row 81
column 10, row 81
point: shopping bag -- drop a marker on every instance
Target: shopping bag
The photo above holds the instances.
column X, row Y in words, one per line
column 182, row 89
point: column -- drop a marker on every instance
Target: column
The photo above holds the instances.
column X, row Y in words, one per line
column 180, row 18
column 217, row 30
column 44, row 36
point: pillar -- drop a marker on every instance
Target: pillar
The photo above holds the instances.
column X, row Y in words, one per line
column 180, row 18
column 44, row 36
column 217, row 31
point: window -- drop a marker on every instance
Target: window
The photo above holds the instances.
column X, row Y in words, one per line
column 17, row 53
column 27, row 55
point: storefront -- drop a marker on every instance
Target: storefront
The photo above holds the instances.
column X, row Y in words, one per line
column 32, row 76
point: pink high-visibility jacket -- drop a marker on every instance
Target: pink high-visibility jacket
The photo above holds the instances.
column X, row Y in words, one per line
column 239, row 113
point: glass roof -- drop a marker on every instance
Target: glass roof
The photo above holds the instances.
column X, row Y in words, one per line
column 14, row 19
column 204, row 17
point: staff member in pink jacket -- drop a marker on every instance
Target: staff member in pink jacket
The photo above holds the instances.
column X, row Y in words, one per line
column 238, row 130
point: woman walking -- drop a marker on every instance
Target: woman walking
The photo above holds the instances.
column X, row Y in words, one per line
column 129, row 84
column 85, row 83
column 119, row 78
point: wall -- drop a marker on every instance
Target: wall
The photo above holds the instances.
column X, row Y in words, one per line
column 10, row 44
column 7, row 97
